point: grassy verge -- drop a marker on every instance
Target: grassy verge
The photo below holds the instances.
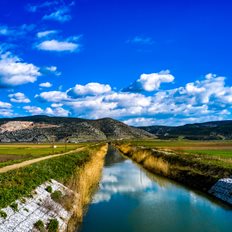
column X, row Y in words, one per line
column 195, row 170
column 17, row 153
column 19, row 183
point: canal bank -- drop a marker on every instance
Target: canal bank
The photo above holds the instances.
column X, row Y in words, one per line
column 191, row 171
column 63, row 188
column 131, row 199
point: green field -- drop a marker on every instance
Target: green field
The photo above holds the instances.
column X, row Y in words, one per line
column 20, row 182
column 16, row 153
column 217, row 149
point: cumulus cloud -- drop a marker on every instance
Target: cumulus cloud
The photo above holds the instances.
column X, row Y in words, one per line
column 150, row 82
column 14, row 71
column 58, row 111
column 58, row 46
column 52, row 96
column 18, row 98
column 34, row 110
column 45, row 85
column 89, row 89
column 206, row 99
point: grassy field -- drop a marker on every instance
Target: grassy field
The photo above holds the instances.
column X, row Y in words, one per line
column 20, row 183
column 16, row 153
column 217, row 149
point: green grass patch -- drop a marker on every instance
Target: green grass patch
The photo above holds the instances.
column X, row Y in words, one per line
column 222, row 149
column 17, row 153
column 218, row 153
column 56, row 196
column 39, row 225
column 19, row 183
column 53, row 225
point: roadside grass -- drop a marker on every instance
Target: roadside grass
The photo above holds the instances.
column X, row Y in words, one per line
column 19, row 183
column 17, row 153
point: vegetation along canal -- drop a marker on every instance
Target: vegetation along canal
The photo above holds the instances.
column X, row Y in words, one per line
column 131, row 199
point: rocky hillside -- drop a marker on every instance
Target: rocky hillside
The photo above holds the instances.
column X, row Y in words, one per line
column 47, row 129
column 206, row 131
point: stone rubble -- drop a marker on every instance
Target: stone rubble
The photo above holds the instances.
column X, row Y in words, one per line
column 39, row 207
column 223, row 190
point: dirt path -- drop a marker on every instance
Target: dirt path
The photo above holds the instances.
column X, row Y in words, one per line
column 29, row 162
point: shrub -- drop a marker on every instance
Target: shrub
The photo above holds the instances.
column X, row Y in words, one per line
column 14, row 206
column 53, row 225
column 56, row 195
column 49, row 189
column 3, row 214
column 39, row 225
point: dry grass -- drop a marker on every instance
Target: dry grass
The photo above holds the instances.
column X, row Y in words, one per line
column 84, row 183
column 158, row 164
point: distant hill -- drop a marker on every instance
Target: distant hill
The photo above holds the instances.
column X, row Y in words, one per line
column 206, row 131
column 44, row 129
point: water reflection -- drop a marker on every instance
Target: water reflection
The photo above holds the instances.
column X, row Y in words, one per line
column 130, row 199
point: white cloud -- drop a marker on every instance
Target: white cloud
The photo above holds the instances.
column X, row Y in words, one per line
column 45, row 85
column 58, row 46
column 150, row 82
column 5, row 105
column 141, row 121
column 52, row 96
column 43, row 34
column 34, row 110
column 14, row 72
column 61, row 15
column 19, row 98
column 89, row 89
column 199, row 101
column 53, row 70
column 58, row 111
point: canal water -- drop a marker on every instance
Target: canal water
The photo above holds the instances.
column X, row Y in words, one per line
column 129, row 199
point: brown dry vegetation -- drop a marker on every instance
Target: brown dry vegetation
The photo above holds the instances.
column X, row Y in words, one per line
column 193, row 170
column 84, row 183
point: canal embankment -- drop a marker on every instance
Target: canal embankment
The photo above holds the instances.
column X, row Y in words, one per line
column 52, row 193
column 194, row 171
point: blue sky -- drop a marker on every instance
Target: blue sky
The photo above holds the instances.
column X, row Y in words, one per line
column 140, row 61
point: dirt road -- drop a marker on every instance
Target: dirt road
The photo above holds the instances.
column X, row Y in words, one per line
column 29, row 162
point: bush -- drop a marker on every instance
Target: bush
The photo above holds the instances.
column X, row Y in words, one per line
column 49, row 189
column 56, row 195
column 3, row 214
column 39, row 225
column 53, row 225
column 14, row 206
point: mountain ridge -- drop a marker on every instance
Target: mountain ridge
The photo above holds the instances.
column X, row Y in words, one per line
column 207, row 130
column 42, row 128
